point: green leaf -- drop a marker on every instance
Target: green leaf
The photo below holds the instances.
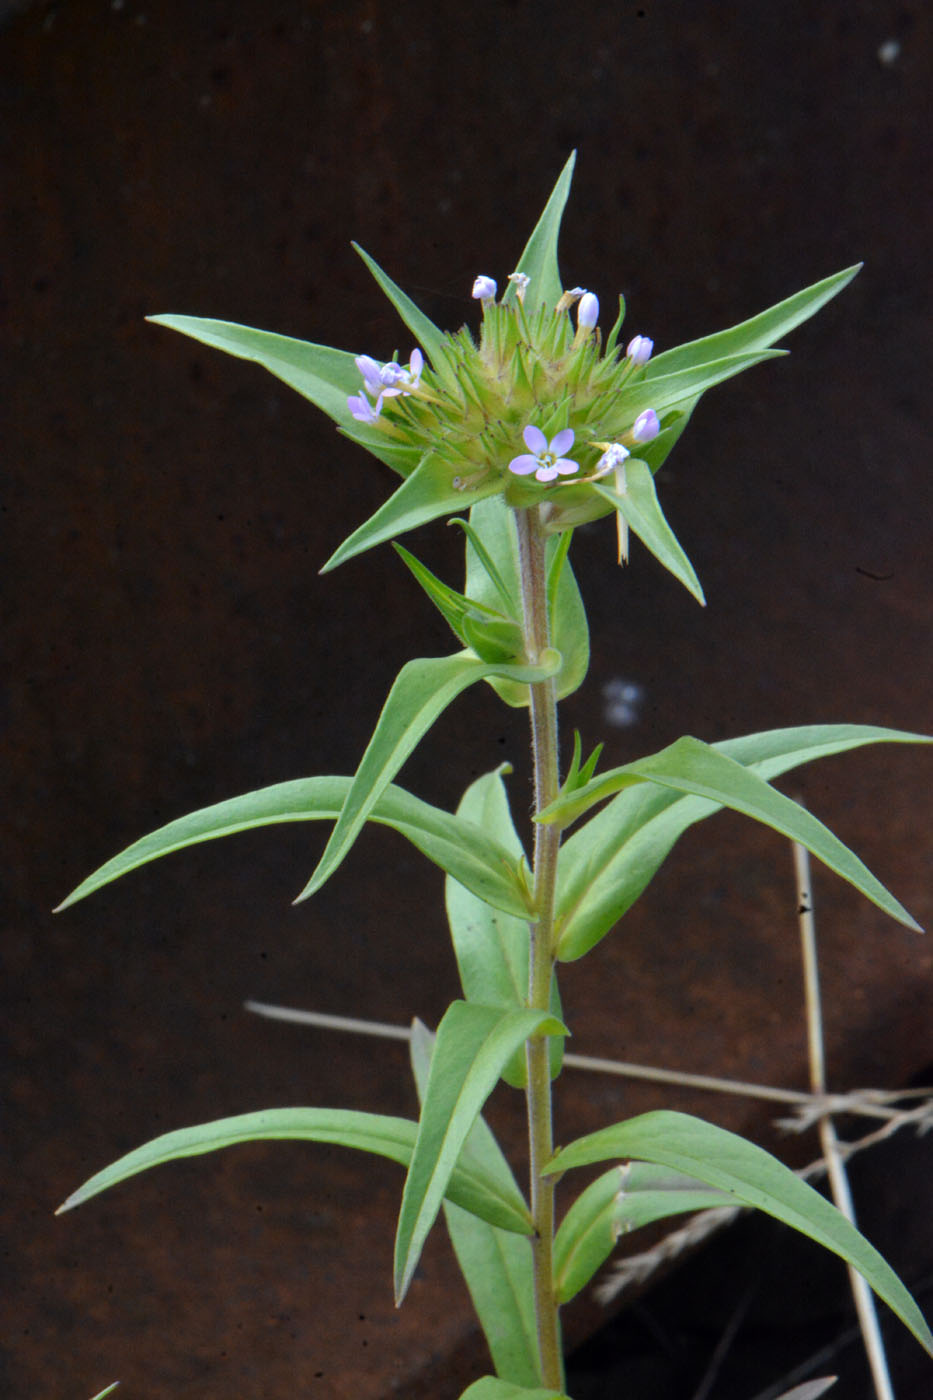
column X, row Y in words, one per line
column 496, row 1264
column 473, row 1043
column 424, row 330
column 684, row 386
column 755, row 334
column 493, row 579
column 421, row 692
column 402, row 457
column 491, row 1388
column 641, row 509
column 423, row 496
column 586, row 895
column 472, row 855
column 107, row 1391
column 323, row 375
column 470, row 622
column 605, row 866
column 539, row 260
column 470, row 1186
column 623, row 1199
column 754, row 1178
column 491, row 946
column 486, row 562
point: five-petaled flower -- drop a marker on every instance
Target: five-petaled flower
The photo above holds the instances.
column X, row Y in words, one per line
column 542, row 458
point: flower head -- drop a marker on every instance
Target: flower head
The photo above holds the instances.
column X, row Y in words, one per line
column 484, row 289
column 639, row 350
column 544, row 459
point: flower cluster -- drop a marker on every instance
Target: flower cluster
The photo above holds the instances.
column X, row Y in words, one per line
column 533, row 380
column 383, row 382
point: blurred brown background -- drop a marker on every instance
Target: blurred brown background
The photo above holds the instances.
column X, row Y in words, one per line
column 170, row 642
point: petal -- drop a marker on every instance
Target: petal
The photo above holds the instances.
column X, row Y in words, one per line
column 560, row 441
column 565, row 466
column 535, row 439
column 369, row 369
column 547, row 473
column 523, row 464
column 416, row 363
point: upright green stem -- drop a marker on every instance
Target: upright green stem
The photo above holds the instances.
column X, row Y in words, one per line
column 531, row 543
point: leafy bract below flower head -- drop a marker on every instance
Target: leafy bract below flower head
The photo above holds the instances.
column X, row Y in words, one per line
column 454, row 420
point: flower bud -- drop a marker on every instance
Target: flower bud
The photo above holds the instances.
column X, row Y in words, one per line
column 520, row 282
column 646, row 426
column 484, row 289
column 587, row 311
column 639, row 350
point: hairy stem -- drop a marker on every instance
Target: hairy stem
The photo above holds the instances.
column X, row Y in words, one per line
column 531, row 542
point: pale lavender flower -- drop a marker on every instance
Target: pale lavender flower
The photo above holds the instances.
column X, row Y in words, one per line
column 587, row 311
column 639, row 350
column 646, row 426
column 371, row 370
column 484, row 289
column 399, row 380
column 392, row 379
column 362, row 410
column 544, row 459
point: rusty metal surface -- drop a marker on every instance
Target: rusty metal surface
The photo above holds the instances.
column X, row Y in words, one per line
column 170, row 643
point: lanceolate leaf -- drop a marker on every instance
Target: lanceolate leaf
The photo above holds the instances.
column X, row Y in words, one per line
column 755, row 334
column 489, row 1196
column 605, row 866
column 684, row 385
column 623, row 1199
column 640, row 507
column 422, row 690
column 539, row 260
column 479, row 862
column 496, row 1264
column 323, row 375
column 752, row 1177
column 492, row 947
column 473, row 1043
column 488, row 633
column 423, row 329
column 426, row 494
